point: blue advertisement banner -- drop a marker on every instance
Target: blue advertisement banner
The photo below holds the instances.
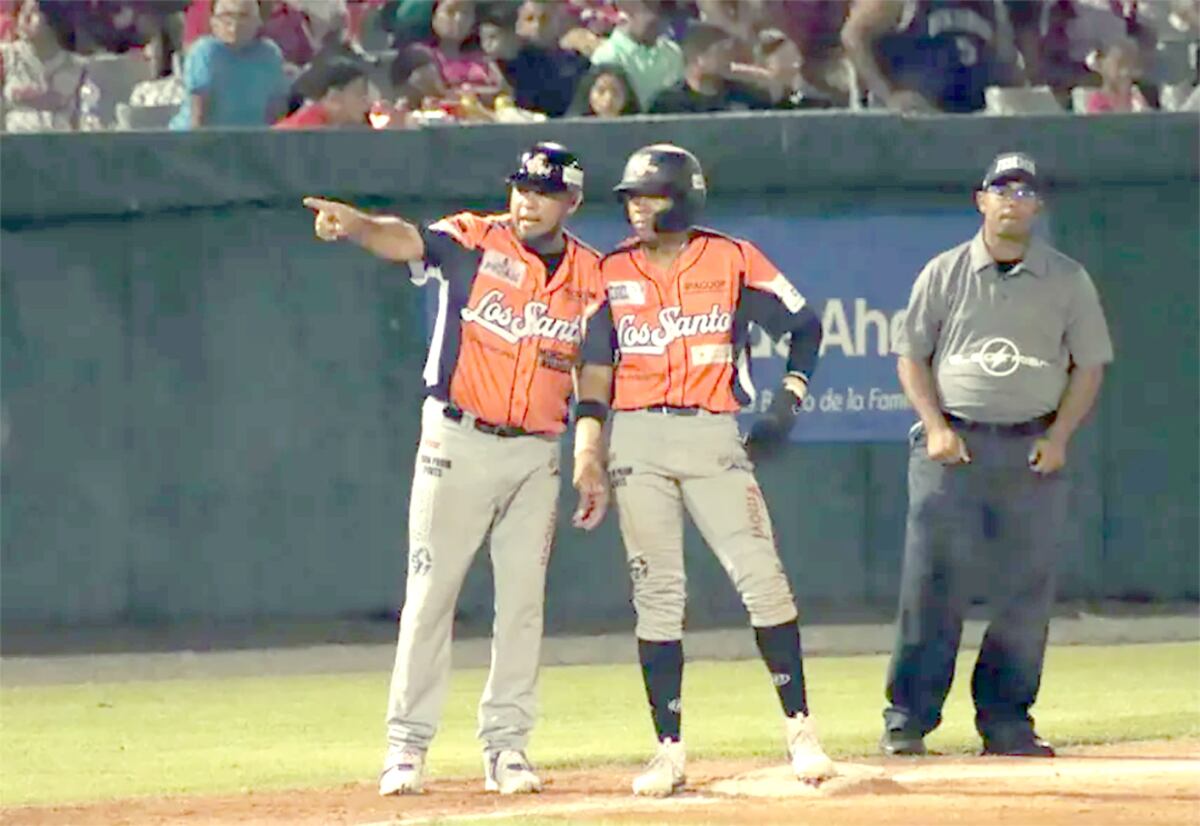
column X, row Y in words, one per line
column 856, row 269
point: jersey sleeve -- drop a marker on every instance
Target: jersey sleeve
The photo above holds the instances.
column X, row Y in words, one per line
column 450, row 247
column 772, row 302
column 765, row 277
column 924, row 317
column 599, row 335
column 1087, row 336
column 197, row 67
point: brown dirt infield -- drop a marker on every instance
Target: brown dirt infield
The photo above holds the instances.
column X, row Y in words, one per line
column 1133, row 784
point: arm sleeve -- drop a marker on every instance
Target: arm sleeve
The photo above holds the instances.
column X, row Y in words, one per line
column 197, row 68
column 599, row 336
column 1087, row 336
column 772, row 302
column 450, row 246
column 605, row 53
column 924, row 317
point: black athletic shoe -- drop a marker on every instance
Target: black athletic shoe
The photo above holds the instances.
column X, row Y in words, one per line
column 1017, row 744
column 897, row 743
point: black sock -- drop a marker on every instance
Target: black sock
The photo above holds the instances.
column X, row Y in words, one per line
column 662, row 671
column 780, row 648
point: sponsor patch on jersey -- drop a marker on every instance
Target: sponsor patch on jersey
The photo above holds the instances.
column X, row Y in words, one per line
column 498, row 265
column 711, row 285
column 627, row 293
column 554, row 360
column 711, row 353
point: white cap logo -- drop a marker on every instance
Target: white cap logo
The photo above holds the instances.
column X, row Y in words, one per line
column 539, row 165
column 1021, row 163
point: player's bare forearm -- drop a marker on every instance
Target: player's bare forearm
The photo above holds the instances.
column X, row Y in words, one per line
column 594, row 383
column 916, row 379
column 869, row 20
column 390, row 237
column 593, row 388
column 384, row 235
column 1083, row 386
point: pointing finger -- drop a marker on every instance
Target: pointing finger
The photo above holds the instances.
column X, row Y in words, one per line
column 320, row 203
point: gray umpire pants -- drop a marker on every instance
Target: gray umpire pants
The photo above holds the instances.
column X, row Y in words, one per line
column 660, row 464
column 993, row 518
column 468, row 483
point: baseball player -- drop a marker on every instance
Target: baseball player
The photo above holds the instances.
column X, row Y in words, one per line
column 511, row 292
column 674, row 322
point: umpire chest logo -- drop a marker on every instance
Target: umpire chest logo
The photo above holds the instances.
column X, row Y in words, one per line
column 500, row 266
column 998, row 357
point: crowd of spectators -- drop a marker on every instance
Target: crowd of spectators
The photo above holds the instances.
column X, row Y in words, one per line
column 193, row 64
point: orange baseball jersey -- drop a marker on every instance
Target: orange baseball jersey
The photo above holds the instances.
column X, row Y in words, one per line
column 679, row 337
column 507, row 333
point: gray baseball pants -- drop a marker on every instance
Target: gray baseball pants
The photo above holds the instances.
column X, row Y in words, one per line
column 660, row 464
column 466, row 485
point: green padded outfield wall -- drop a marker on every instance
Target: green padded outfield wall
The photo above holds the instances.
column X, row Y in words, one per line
column 208, row 415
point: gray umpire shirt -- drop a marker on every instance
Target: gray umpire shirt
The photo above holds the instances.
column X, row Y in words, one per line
column 1001, row 345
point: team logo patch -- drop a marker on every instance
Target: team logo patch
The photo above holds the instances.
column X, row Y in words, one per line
column 539, row 165
column 640, row 166
column 711, row 354
column 627, row 293
column 638, row 567
column 420, row 562
column 498, row 265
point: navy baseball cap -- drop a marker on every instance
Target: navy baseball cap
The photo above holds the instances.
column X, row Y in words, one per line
column 548, row 167
column 1011, row 166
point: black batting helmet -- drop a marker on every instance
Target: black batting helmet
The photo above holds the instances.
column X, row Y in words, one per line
column 671, row 171
column 548, row 167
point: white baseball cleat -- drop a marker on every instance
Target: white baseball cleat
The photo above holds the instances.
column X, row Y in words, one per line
column 508, row 771
column 809, row 761
column 402, row 772
column 665, row 774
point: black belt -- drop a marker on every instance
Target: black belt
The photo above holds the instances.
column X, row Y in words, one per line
column 669, row 410
column 504, row 431
column 1033, row 427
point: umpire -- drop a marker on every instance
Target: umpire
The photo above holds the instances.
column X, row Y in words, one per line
column 1002, row 355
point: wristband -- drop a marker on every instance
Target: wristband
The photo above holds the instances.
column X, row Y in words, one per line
column 591, row 410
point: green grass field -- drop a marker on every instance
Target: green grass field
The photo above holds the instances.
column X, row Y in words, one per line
column 227, row 735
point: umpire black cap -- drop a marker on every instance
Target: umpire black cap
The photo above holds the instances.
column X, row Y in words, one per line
column 1011, row 166
column 670, row 171
column 548, row 167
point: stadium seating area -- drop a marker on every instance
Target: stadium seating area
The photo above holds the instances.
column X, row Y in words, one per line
column 187, row 64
